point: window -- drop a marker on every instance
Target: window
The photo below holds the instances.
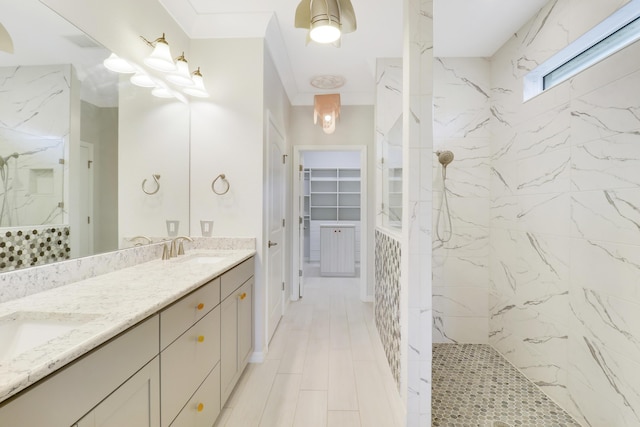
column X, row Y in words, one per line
column 614, row 33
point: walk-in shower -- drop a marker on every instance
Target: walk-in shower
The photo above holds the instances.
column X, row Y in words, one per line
column 445, row 158
column 5, row 174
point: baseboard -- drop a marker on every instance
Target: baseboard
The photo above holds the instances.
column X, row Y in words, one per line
column 256, row 357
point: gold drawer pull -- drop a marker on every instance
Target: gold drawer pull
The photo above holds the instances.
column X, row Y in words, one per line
column 200, row 306
column 200, row 407
column 200, row 338
column 243, row 295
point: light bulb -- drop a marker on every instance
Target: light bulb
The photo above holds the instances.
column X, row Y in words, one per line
column 118, row 65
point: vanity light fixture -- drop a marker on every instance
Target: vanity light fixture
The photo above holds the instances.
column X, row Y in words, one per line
column 119, row 65
column 181, row 77
column 198, row 89
column 160, row 59
column 327, row 109
column 142, row 79
column 6, row 43
column 326, row 20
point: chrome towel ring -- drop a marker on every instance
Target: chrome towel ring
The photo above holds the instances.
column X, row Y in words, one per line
column 225, row 181
column 156, row 178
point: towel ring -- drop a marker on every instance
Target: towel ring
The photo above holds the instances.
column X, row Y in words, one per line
column 213, row 185
column 156, row 177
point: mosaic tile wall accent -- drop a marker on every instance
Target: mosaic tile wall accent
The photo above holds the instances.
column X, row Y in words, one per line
column 33, row 246
column 387, row 298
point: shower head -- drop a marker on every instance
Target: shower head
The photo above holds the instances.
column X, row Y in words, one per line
column 444, row 157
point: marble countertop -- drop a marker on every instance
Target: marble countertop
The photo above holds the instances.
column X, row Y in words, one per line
column 107, row 305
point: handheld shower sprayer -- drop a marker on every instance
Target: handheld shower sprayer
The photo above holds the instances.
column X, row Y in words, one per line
column 445, row 158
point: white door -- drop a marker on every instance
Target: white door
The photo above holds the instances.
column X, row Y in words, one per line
column 276, row 214
column 301, row 226
column 86, row 199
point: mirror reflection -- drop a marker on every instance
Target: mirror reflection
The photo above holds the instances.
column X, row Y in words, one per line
column 58, row 140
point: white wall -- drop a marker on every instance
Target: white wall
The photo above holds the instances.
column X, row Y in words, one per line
column 151, row 140
column 332, row 159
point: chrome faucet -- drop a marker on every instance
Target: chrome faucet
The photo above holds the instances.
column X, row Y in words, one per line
column 180, row 251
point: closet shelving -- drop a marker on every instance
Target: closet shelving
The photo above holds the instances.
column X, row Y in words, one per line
column 334, row 195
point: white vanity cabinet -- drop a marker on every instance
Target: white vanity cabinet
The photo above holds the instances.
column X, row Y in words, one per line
column 95, row 390
column 174, row 369
column 189, row 359
column 337, row 250
column 236, row 324
column 133, row 404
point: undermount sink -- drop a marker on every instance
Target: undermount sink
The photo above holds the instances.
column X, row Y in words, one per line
column 202, row 259
column 22, row 331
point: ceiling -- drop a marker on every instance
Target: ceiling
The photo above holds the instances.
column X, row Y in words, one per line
column 462, row 28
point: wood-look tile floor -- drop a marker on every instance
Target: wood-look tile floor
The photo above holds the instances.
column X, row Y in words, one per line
column 325, row 367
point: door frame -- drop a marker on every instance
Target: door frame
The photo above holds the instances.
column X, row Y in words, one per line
column 364, row 212
column 265, row 249
column 89, row 227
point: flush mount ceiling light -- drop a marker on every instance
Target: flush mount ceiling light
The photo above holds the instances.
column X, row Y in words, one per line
column 160, row 59
column 181, row 77
column 326, row 20
column 6, row 44
column 119, row 65
column 327, row 109
column 327, row 81
column 198, row 88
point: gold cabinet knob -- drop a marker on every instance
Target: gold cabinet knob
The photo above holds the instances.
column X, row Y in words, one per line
column 200, row 306
column 243, row 295
column 200, row 338
column 200, row 407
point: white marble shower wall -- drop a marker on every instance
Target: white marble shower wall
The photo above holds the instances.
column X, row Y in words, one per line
column 462, row 115
column 565, row 214
column 33, row 130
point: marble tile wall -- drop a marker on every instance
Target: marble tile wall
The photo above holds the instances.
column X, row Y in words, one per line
column 416, row 263
column 565, row 213
column 34, row 126
column 386, row 305
column 389, row 121
column 461, row 124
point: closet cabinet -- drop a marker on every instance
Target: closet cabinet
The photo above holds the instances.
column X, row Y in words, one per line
column 337, row 250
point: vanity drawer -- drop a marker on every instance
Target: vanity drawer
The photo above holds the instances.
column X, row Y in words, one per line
column 179, row 317
column 186, row 362
column 234, row 278
column 204, row 407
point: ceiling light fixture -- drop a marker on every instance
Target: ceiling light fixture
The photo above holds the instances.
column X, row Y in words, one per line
column 160, row 59
column 181, row 77
column 119, row 65
column 6, row 44
column 198, row 88
column 327, row 108
column 326, row 20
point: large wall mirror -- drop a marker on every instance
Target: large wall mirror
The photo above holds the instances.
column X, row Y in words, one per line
column 76, row 142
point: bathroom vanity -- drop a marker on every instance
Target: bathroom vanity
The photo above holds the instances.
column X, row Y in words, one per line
column 162, row 343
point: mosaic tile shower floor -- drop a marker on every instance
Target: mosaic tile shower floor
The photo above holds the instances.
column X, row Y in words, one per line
column 474, row 386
